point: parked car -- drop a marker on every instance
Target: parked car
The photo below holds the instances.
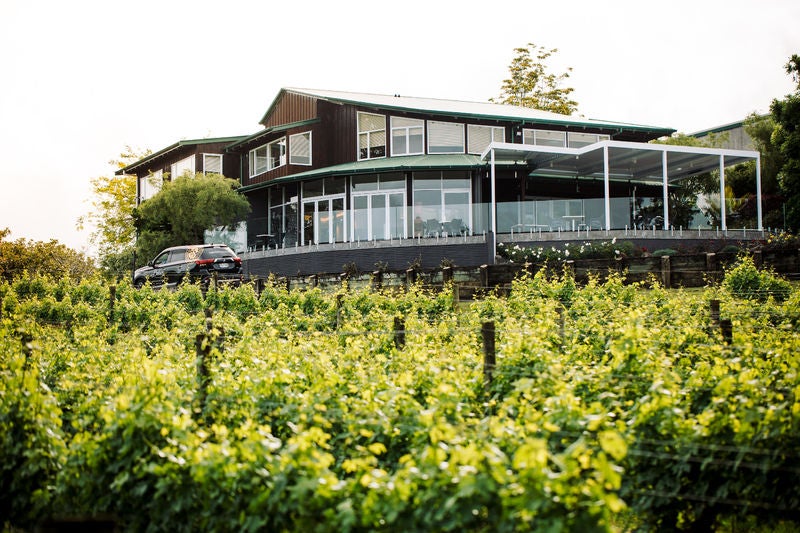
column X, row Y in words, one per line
column 194, row 262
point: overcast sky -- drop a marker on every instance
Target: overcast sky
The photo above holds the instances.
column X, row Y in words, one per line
column 80, row 80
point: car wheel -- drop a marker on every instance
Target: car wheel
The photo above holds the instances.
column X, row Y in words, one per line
column 138, row 283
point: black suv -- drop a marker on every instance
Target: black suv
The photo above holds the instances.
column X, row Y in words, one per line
column 195, row 262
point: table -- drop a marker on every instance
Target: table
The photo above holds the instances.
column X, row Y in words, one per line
column 530, row 227
column 573, row 218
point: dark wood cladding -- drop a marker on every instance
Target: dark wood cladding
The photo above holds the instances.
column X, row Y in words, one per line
column 290, row 108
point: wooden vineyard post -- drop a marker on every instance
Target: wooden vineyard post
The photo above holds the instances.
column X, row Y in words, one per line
column 399, row 333
column 726, row 327
column 714, row 310
column 666, row 272
column 489, row 358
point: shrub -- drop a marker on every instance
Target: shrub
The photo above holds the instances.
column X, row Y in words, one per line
column 745, row 280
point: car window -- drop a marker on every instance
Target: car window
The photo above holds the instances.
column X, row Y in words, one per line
column 213, row 253
column 161, row 259
column 177, row 256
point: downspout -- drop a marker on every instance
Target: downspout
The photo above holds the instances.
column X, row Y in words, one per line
column 723, row 223
column 493, row 210
column 666, row 188
column 758, row 192
column 606, row 188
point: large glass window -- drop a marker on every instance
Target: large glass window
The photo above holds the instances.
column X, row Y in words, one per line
column 323, row 210
column 379, row 211
column 371, row 136
column 442, row 203
column 479, row 137
column 408, row 136
column 300, row 148
column 445, row 137
column 283, row 214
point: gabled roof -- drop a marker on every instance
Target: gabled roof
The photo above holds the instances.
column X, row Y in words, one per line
column 173, row 147
column 466, row 109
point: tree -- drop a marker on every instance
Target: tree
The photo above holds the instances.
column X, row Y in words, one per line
column 46, row 258
column 184, row 209
column 786, row 138
column 530, row 85
column 111, row 215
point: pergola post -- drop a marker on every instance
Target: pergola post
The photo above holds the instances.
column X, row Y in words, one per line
column 665, row 176
column 606, row 188
column 493, row 210
column 723, row 223
column 758, row 193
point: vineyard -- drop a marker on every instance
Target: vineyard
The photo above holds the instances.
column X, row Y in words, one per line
column 557, row 407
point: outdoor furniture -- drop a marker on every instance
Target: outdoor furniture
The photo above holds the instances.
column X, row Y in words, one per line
column 572, row 219
column 431, row 228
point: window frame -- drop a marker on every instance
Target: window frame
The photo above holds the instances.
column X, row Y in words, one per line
column 291, row 148
column 217, row 156
column 369, row 134
column 282, row 156
column 419, row 123
column 189, row 162
column 458, row 149
column 492, row 138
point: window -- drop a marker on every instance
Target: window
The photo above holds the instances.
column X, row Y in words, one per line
column 371, row 136
column 445, row 137
column 258, row 161
column 276, row 153
column 479, row 137
column 544, row 137
column 149, row 185
column 407, row 136
column 212, row 163
column 267, row 157
column 378, row 207
column 442, row 203
column 300, row 149
column 323, row 210
column 282, row 227
column 577, row 140
column 184, row 166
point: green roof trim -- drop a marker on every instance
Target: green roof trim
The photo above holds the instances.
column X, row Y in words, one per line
column 275, row 129
column 385, row 164
column 175, row 146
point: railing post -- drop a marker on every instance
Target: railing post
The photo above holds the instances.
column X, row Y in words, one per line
column 411, row 277
column 484, row 276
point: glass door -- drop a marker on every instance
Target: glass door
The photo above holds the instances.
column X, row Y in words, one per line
column 323, row 221
column 379, row 216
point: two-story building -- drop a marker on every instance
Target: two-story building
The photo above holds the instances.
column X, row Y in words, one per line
column 335, row 178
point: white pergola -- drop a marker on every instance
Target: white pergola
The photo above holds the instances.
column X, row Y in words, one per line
column 619, row 160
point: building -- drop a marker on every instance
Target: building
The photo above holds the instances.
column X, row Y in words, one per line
column 338, row 178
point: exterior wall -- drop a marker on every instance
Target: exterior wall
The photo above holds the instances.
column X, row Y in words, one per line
column 367, row 257
column 291, row 107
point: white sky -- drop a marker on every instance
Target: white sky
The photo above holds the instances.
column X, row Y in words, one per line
column 79, row 80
